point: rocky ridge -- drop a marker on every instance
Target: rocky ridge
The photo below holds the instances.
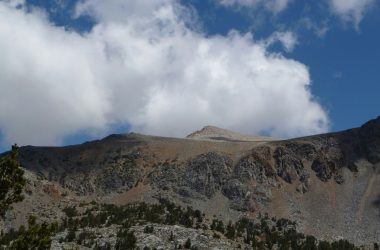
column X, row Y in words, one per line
column 326, row 183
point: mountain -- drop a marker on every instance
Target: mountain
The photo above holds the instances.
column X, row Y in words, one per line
column 328, row 183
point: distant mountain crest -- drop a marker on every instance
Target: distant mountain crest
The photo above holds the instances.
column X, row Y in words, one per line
column 215, row 133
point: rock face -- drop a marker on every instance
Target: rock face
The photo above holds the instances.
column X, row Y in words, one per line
column 327, row 183
column 204, row 175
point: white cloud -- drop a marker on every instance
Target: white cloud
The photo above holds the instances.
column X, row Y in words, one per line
column 351, row 10
column 320, row 29
column 287, row 39
column 14, row 3
column 143, row 66
column 275, row 6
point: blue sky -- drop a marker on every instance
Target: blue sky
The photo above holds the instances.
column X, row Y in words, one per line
column 280, row 67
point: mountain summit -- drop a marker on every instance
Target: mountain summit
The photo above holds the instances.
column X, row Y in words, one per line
column 215, row 133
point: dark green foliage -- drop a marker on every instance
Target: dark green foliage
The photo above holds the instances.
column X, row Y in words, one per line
column 375, row 246
column 37, row 236
column 86, row 238
column 216, row 236
column 188, row 244
column 264, row 234
column 217, row 225
column 71, row 235
column 70, row 211
column 310, row 243
column 148, row 229
column 171, row 237
column 324, row 245
column 125, row 240
column 129, row 215
column 6, row 238
column 12, row 180
column 230, row 231
column 343, row 245
column 283, row 233
column 198, row 216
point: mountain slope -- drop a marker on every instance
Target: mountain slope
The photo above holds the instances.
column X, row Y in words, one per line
column 326, row 183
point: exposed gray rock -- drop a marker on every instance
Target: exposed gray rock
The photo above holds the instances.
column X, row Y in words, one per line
column 370, row 140
column 302, row 188
column 289, row 165
column 323, row 169
column 256, row 167
column 160, row 238
column 234, row 189
column 207, row 173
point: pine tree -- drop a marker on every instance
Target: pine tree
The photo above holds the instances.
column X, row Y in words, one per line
column 12, row 180
column 36, row 237
column 126, row 240
column 188, row 244
column 171, row 237
column 231, row 232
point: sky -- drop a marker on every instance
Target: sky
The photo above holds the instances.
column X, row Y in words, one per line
column 73, row 71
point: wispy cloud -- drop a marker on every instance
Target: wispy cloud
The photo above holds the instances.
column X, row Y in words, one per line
column 287, row 39
column 351, row 11
column 274, row 6
column 320, row 29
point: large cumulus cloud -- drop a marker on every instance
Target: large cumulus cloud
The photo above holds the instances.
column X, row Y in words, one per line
column 142, row 65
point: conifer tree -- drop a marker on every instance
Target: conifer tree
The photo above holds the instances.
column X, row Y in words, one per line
column 12, row 180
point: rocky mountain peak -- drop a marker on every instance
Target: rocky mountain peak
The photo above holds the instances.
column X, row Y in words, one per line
column 215, row 133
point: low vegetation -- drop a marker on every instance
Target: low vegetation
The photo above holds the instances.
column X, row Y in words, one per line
column 262, row 233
